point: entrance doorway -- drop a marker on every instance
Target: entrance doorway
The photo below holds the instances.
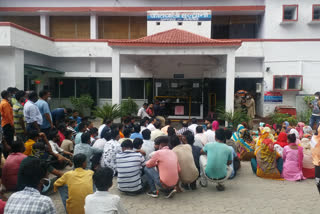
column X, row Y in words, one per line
column 183, row 97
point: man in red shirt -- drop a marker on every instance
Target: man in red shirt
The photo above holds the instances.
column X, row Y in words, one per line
column 167, row 174
column 6, row 119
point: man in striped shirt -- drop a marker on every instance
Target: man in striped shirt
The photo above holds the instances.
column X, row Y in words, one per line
column 129, row 165
column 18, row 117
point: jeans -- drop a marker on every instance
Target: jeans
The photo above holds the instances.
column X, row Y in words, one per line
column 314, row 119
column 152, row 177
column 63, row 191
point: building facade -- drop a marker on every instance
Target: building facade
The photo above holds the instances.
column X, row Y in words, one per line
column 193, row 54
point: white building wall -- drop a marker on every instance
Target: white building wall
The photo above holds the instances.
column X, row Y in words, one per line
column 125, row 3
column 274, row 29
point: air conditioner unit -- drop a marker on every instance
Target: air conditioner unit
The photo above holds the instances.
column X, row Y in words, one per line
column 258, row 87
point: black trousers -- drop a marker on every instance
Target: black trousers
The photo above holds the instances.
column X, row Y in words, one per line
column 317, row 175
column 8, row 134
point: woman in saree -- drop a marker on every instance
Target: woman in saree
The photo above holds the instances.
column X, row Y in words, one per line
column 246, row 145
column 265, row 165
column 236, row 135
column 292, row 160
column 316, row 159
column 307, row 164
column 281, row 142
column 299, row 128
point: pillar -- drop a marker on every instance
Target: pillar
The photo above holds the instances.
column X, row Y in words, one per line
column 12, row 68
column 93, row 26
column 44, row 25
column 230, row 81
column 116, row 79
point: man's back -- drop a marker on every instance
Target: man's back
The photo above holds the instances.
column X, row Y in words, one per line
column 218, row 156
column 29, row 201
column 129, row 165
column 168, row 165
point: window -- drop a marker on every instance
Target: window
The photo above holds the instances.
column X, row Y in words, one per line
column 287, row 83
column 179, row 23
column 290, row 13
column 67, row 88
column 280, row 83
column 157, row 23
column 294, row 83
column 105, row 89
column 199, row 23
column 316, row 13
column 133, row 89
column 83, row 87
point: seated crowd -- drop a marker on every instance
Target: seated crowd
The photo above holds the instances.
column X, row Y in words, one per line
column 149, row 156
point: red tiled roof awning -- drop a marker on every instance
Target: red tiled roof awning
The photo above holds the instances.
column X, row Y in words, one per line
column 174, row 37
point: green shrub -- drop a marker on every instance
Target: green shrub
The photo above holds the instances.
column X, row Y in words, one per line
column 108, row 111
column 233, row 119
column 128, row 107
column 279, row 118
column 81, row 103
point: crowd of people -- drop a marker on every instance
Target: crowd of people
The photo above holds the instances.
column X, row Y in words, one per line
column 145, row 156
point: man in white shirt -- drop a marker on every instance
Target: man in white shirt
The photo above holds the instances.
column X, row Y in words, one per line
column 102, row 201
column 32, row 113
column 157, row 132
column 99, row 144
column 200, row 136
column 105, row 123
column 142, row 111
column 151, row 124
column 211, row 135
column 148, row 145
column 193, row 126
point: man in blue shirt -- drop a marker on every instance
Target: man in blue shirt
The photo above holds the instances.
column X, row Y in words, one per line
column 136, row 133
column 44, row 109
column 75, row 116
column 216, row 165
column 59, row 114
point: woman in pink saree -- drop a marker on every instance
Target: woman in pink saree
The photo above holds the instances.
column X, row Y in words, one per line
column 292, row 160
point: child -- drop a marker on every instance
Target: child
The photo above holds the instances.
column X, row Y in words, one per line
column 102, row 201
column 79, row 184
column 67, row 143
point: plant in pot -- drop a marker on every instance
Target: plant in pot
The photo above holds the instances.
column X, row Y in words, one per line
column 83, row 104
column 108, row 111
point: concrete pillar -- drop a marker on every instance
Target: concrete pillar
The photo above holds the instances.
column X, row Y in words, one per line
column 44, row 25
column 93, row 26
column 12, row 68
column 116, row 78
column 230, row 82
column 93, row 66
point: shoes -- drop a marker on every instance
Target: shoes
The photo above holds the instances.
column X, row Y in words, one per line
column 153, row 194
column 185, row 186
column 220, row 187
column 171, row 194
column 193, row 185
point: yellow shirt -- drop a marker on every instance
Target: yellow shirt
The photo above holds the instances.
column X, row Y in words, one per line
column 28, row 145
column 80, row 184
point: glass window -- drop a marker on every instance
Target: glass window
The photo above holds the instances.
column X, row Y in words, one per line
column 54, row 87
column 316, row 12
column 67, row 88
column 280, row 83
column 83, row 87
column 133, row 89
column 105, row 89
column 290, row 13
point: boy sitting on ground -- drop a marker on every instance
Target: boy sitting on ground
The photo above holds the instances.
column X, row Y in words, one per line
column 129, row 165
column 102, row 201
column 215, row 161
column 75, row 185
column 167, row 175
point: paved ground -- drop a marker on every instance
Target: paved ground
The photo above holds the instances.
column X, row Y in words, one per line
column 245, row 194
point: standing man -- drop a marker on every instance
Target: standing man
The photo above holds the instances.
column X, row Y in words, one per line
column 7, row 119
column 314, row 105
column 142, row 111
column 19, row 123
column 237, row 102
column 44, row 109
column 251, row 109
column 31, row 113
